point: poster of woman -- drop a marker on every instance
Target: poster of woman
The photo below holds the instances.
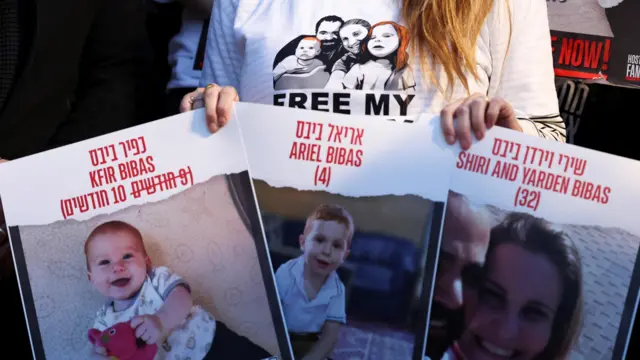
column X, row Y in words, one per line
column 538, row 257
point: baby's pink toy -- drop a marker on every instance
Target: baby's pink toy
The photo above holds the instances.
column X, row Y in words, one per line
column 121, row 343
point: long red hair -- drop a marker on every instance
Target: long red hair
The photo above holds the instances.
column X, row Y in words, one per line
column 444, row 34
column 402, row 56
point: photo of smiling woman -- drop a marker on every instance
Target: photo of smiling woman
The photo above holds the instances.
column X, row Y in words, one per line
column 512, row 285
column 528, row 303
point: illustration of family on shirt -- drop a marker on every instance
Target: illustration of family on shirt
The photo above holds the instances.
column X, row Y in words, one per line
column 311, row 293
column 352, row 55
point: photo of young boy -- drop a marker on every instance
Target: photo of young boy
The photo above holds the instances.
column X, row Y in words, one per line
column 351, row 272
column 156, row 301
column 311, row 292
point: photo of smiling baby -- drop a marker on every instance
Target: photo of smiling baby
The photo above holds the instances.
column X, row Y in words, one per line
column 181, row 278
column 156, row 301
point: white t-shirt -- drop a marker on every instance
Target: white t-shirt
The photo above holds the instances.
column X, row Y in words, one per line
column 247, row 39
column 192, row 339
column 301, row 314
column 183, row 47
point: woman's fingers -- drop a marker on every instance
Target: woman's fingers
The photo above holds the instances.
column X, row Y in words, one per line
column 228, row 95
column 217, row 101
column 462, row 124
column 446, row 121
column 468, row 119
column 187, row 103
column 211, row 94
column 492, row 113
column 478, row 107
column 464, row 119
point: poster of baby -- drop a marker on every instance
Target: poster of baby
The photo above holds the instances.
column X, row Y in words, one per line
column 538, row 257
column 143, row 244
column 350, row 207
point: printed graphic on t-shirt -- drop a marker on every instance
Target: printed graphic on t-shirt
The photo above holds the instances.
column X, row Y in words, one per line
column 347, row 55
column 352, row 54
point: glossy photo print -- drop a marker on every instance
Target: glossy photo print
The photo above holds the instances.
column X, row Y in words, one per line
column 538, row 257
column 351, row 220
column 138, row 251
column 351, row 268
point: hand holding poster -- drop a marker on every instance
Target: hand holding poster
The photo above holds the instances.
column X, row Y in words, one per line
column 538, row 256
column 143, row 244
column 352, row 250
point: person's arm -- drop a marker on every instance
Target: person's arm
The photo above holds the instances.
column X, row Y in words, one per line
column 323, row 348
column 336, row 316
column 175, row 309
column 525, row 76
column 223, row 59
column 176, row 295
column 105, row 97
column 177, row 303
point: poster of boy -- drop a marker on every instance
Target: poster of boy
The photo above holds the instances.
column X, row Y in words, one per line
column 350, row 224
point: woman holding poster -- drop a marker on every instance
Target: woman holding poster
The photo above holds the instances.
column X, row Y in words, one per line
column 490, row 65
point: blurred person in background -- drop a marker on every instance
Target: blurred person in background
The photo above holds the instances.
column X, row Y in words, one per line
column 186, row 50
column 70, row 70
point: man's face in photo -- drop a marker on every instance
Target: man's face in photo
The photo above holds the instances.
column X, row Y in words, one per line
column 465, row 239
column 329, row 35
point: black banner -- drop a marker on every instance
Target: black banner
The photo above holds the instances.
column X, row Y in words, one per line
column 603, row 42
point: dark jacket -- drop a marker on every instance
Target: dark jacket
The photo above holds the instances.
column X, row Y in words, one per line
column 79, row 77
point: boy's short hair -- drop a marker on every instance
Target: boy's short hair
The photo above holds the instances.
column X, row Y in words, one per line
column 112, row 227
column 332, row 212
